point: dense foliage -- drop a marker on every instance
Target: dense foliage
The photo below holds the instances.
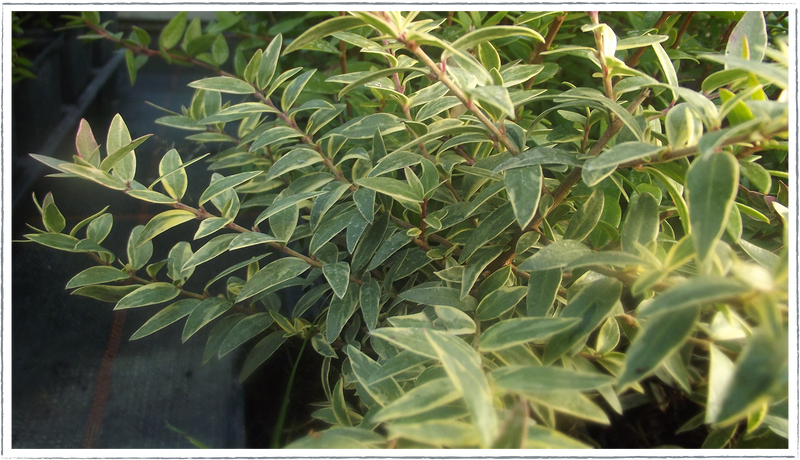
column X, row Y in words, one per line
column 505, row 227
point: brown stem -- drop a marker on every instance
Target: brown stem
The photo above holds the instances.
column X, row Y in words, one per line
column 682, row 30
column 634, row 58
column 442, row 77
column 536, row 56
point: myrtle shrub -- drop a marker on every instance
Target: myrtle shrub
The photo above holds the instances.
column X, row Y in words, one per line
column 504, row 227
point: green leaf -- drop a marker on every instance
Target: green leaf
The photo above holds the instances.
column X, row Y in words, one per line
column 683, row 126
column 462, row 364
column 369, row 299
column 592, row 305
column 640, row 41
column 119, row 154
column 150, row 196
column 500, row 301
column 272, row 274
column 219, row 333
column 52, row 218
column 511, row 332
column 226, row 183
column 341, row 438
column 322, row 30
column 440, row 433
column 269, row 62
column 570, row 402
column 98, row 228
column 454, row 320
column 748, row 40
column 376, row 75
column 331, row 228
column 641, row 223
column 482, row 258
column 542, row 290
column 54, row 240
column 284, row 202
column 331, row 194
column 422, row 398
column 261, row 352
column 339, row 406
column 340, row 311
column 409, row 338
column 294, row 89
column 486, row 34
column 439, row 296
column 666, row 65
column 494, row 96
column 393, row 244
column 163, row 222
column 383, row 391
column 540, row 437
column 436, row 107
column 338, row 276
column 524, row 188
column 586, row 217
column 539, row 156
column 295, row 159
column 392, row 187
column 273, row 136
column 711, row 184
column 554, row 255
column 488, row 229
column 105, row 293
column 95, row 175
column 243, row 331
column 228, row 85
column 173, row 31
column 693, row 292
column 761, row 366
column 238, row 112
column 86, row 145
column 365, row 202
column 219, row 50
column 659, row 337
column 97, row 275
column 588, row 94
column 524, row 379
column 138, row 255
column 165, row 317
column 758, row 176
column 148, row 295
column 213, row 248
column 181, row 122
column 610, row 258
column 365, row 127
column 205, row 312
column 598, row 168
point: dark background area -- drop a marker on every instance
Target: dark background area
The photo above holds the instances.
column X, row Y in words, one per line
column 77, row 380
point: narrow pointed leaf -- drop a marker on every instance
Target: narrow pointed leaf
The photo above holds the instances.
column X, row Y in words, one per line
column 97, row 275
column 261, row 352
column 272, row 274
column 338, row 276
column 555, row 255
column 223, row 85
column 592, row 305
column 165, row 317
column 516, row 331
column 340, row 311
column 660, row 336
column 245, row 330
column 696, row 291
column 148, row 295
column 163, row 222
column 711, row 185
column 462, row 364
column 204, row 313
column 524, row 188
column 546, row 378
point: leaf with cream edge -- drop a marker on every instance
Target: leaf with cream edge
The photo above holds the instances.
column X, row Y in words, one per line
column 272, row 274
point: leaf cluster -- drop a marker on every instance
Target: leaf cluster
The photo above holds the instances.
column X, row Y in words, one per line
column 489, row 240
